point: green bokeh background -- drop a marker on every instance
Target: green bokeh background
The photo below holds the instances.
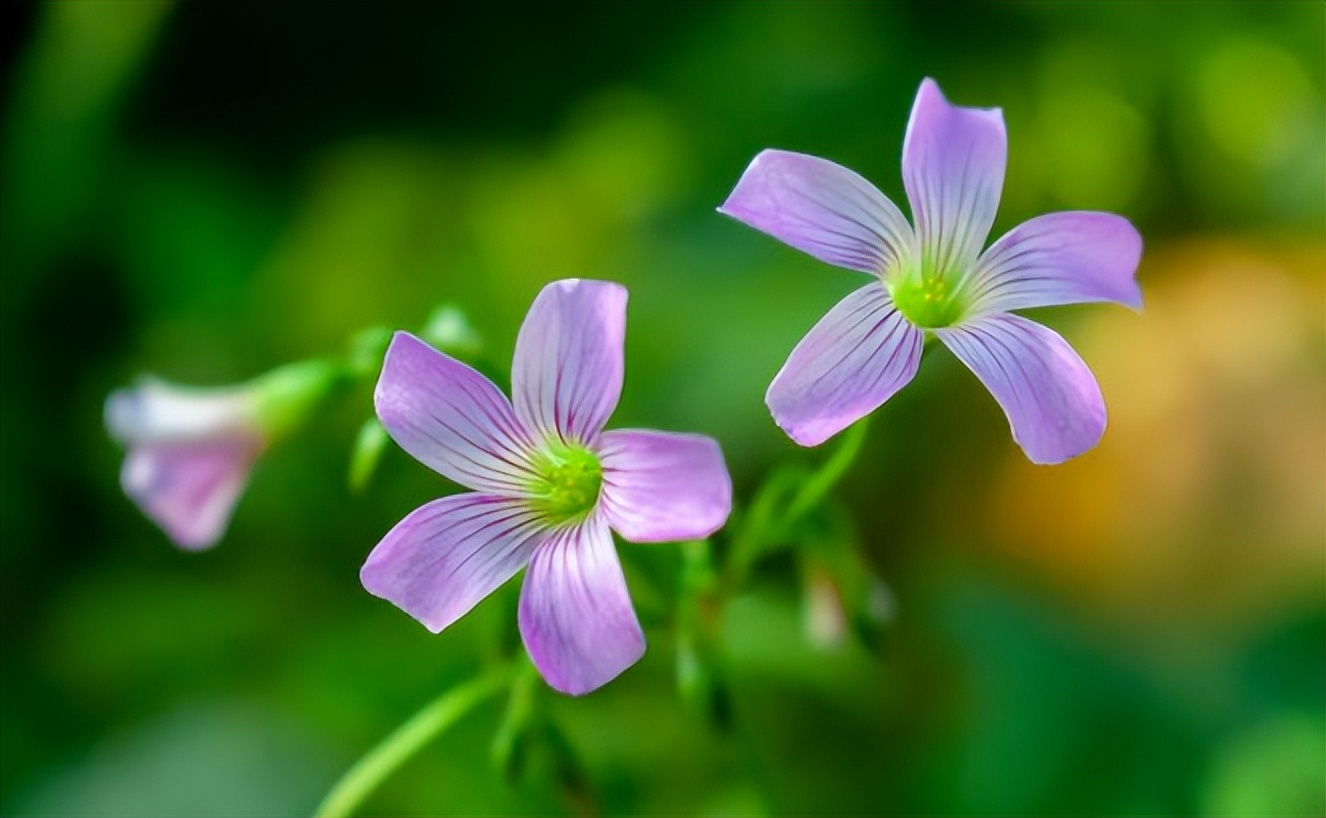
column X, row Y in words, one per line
column 205, row 191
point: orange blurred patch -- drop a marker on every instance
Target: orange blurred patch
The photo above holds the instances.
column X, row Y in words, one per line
column 1207, row 496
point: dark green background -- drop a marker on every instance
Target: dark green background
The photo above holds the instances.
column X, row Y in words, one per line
column 205, row 191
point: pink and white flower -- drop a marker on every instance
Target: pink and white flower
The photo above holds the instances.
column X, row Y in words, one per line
column 190, row 450
column 189, row 455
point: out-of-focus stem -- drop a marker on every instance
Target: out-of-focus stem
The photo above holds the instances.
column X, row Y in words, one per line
column 785, row 498
column 393, row 751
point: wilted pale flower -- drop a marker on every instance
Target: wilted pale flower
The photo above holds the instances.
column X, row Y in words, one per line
column 934, row 279
column 547, row 484
column 191, row 449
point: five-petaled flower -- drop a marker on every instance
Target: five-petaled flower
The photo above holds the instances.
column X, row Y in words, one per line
column 190, row 450
column 934, row 279
column 548, row 484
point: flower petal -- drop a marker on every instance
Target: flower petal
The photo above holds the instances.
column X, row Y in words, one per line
column 575, row 612
column 1050, row 397
column 154, row 410
column 190, row 489
column 953, row 161
column 451, row 418
column 661, row 486
column 567, row 373
column 447, row 555
column 1060, row 258
column 820, row 208
column 854, row 359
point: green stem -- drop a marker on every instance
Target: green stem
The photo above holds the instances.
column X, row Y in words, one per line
column 786, row 497
column 512, row 732
column 384, row 759
column 817, row 486
column 760, row 525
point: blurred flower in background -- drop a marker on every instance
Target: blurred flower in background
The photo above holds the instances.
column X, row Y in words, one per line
column 190, row 450
column 189, row 455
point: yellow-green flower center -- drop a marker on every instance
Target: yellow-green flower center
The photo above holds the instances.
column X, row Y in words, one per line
column 927, row 297
column 567, row 485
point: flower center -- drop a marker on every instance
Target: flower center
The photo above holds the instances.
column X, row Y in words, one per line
column 568, row 482
column 927, row 297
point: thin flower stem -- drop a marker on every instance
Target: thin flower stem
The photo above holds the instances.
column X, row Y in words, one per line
column 787, row 496
column 699, row 674
column 817, row 486
column 384, row 759
column 760, row 525
column 512, row 732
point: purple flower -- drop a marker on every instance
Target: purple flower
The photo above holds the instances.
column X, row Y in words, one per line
column 933, row 279
column 191, row 450
column 548, row 484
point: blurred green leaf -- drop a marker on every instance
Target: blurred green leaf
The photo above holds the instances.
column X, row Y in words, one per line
column 368, row 447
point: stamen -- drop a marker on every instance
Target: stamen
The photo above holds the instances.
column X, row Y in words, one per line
column 568, row 481
column 927, row 295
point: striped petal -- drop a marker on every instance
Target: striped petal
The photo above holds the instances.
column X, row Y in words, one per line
column 1050, row 397
column 662, row 486
column 820, row 208
column 858, row 355
column 447, row 555
column 567, row 374
column 953, row 162
column 575, row 613
column 1060, row 258
column 451, row 418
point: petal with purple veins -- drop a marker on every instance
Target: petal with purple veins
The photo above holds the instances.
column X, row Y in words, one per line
column 451, row 418
column 1060, row 258
column 953, row 161
column 567, row 374
column 575, row 612
column 662, row 487
column 190, row 488
column 1050, row 397
column 820, row 208
column 447, row 555
column 858, row 355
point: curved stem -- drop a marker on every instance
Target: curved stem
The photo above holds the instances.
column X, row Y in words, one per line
column 814, row 489
column 393, row 751
column 520, row 712
column 761, row 522
column 787, row 496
